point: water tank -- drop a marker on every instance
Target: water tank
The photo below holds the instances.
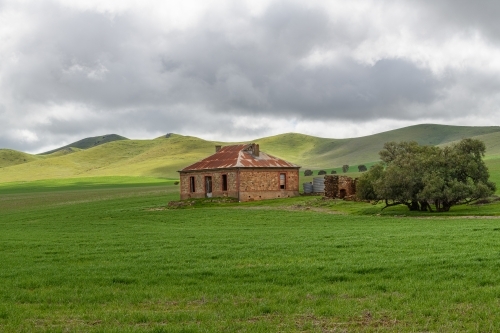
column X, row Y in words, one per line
column 318, row 184
column 308, row 187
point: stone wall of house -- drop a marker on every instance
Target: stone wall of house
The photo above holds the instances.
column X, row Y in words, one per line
column 260, row 184
column 245, row 184
column 200, row 184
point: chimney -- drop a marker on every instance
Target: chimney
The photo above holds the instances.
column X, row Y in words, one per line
column 256, row 150
column 217, row 148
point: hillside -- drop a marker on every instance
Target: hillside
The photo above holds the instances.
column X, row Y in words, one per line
column 163, row 156
column 313, row 152
column 9, row 157
column 89, row 142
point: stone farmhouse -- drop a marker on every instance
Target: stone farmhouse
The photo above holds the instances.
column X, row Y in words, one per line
column 240, row 171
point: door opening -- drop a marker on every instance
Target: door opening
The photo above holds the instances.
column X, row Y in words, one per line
column 208, row 186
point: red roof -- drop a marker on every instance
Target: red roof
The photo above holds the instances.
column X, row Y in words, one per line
column 239, row 156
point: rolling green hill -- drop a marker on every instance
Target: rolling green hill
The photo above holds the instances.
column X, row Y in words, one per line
column 313, row 152
column 9, row 157
column 163, row 156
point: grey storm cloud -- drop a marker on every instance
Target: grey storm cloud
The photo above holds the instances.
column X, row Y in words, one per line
column 124, row 71
column 86, row 57
column 481, row 15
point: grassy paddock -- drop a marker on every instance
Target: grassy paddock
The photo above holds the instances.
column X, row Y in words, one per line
column 82, row 183
column 100, row 258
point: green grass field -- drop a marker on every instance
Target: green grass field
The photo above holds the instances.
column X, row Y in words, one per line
column 105, row 255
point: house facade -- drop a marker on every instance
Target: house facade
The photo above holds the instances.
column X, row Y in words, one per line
column 240, row 171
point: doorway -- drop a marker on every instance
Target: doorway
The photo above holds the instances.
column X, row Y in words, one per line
column 208, row 186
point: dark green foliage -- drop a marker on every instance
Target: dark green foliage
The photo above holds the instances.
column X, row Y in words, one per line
column 321, row 172
column 345, row 168
column 362, row 168
column 418, row 176
column 308, row 172
column 333, row 172
column 365, row 187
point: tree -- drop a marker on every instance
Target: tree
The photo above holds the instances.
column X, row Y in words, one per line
column 321, row 172
column 365, row 186
column 308, row 172
column 345, row 168
column 418, row 176
column 362, row 168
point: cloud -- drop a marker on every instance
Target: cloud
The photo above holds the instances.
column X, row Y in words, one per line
column 75, row 69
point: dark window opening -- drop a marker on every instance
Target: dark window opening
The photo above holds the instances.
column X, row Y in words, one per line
column 282, row 181
column 192, row 185
column 224, row 182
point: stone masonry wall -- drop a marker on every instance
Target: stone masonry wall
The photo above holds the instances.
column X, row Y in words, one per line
column 232, row 187
column 340, row 187
column 260, row 184
column 254, row 184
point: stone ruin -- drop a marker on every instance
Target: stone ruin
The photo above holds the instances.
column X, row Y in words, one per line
column 341, row 187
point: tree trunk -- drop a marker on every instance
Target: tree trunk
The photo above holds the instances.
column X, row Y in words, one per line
column 424, row 206
column 414, row 206
column 446, row 206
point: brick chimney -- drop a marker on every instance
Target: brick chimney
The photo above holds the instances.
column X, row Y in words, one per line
column 217, row 148
column 256, row 150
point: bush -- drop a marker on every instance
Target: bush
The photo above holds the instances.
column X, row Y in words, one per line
column 176, row 183
column 345, row 168
column 334, row 172
column 308, row 172
column 321, row 172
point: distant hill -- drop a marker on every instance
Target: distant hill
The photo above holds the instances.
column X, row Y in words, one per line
column 89, row 142
column 163, row 156
column 9, row 157
column 314, row 152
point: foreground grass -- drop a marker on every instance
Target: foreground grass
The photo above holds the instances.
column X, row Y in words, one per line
column 100, row 258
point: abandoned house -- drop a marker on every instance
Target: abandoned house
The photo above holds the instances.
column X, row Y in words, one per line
column 240, row 171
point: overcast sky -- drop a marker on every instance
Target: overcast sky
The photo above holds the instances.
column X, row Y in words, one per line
column 239, row 70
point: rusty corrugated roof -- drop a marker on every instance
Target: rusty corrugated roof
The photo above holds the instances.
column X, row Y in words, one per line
column 239, row 156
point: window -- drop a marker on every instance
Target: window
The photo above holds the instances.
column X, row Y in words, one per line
column 192, row 184
column 282, row 181
column 224, row 182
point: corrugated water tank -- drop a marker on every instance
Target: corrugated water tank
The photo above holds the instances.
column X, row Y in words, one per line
column 308, row 187
column 318, row 184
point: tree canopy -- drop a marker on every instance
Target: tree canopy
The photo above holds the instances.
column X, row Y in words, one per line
column 420, row 176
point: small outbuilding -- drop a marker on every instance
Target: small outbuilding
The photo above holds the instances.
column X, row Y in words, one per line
column 240, row 171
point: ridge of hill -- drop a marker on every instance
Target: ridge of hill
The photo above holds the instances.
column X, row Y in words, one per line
column 89, row 142
column 163, row 156
column 313, row 152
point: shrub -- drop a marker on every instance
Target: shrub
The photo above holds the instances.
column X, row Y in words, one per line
column 308, row 172
column 321, row 172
